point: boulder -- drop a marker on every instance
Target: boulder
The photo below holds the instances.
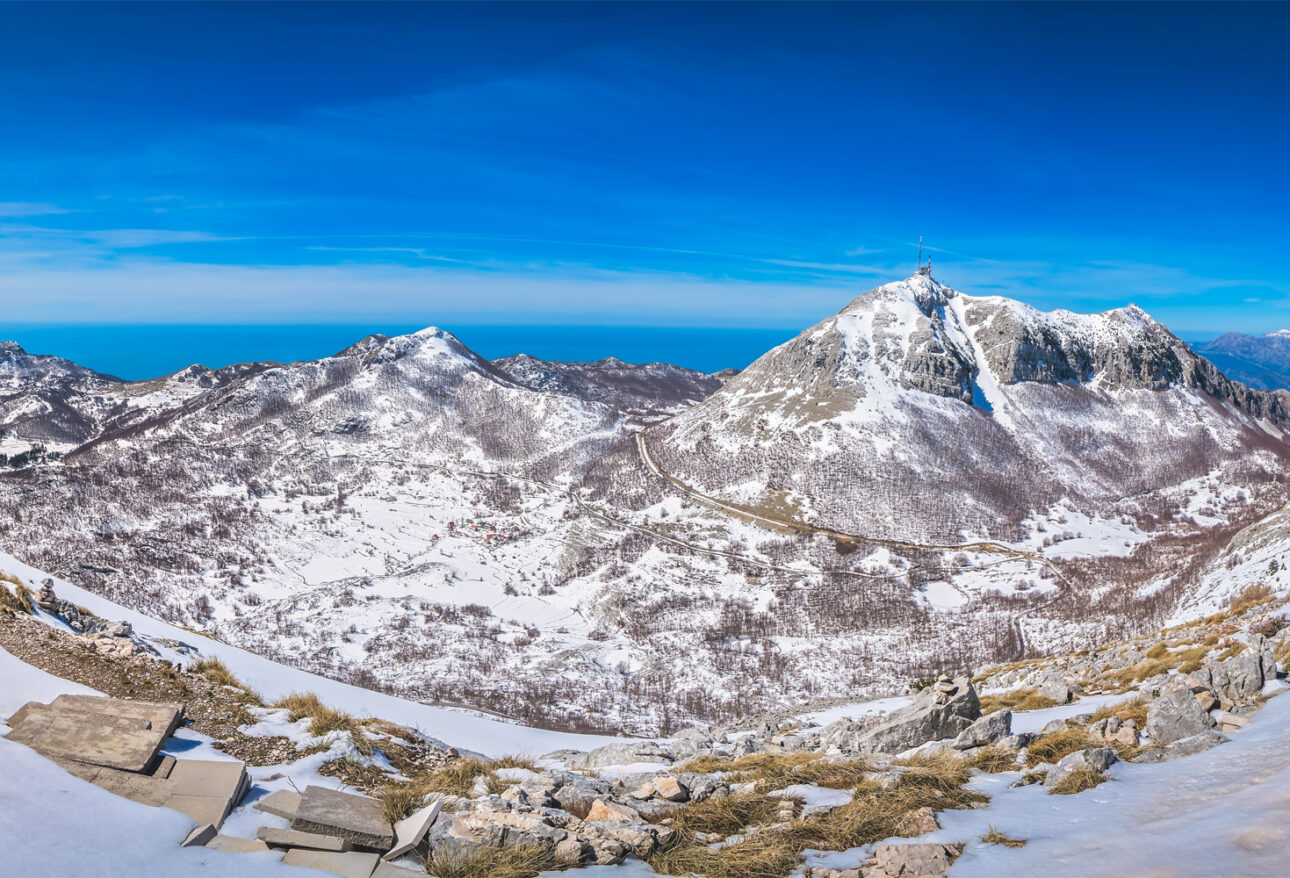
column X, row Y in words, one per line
column 1185, row 747
column 671, row 789
column 1057, row 690
column 612, row 812
column 986, row 730
column 1097, row 759
column 1115, row 731
column 624, row 754
column 1176, row 715
column 941, row 711
column 918, row 822
column 911, row 860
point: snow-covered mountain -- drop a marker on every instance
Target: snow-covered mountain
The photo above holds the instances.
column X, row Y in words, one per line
column 919, row 413
column 924, row 468
column 1261, row 361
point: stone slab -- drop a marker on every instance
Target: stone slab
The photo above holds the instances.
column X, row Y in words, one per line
column 234, row 845
column 350, row 864
column 357, row 818
column 163, row 716
column 163, row 767
column 76, row 737
column 409, row 831
column 393, row 870
column 294, row 838
column 206, row 777
column 282, row 803
column 142, row 788
column 203, row 809
column 199, row 836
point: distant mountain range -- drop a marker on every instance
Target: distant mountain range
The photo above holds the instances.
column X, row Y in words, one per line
column 1261, row 361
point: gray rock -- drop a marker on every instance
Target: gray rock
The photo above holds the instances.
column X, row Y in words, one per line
column 1057, row 690
column 1176, row 715
column 1206, row 740
column 623, row 754
column 911, row 860
column 1098, row 759
column 936, row 714
column 986, row 730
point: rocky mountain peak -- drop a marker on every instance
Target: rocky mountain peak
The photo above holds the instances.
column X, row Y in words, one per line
column 11, row 347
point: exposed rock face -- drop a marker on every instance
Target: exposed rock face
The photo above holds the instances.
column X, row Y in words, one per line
column 943, row 710
column 883, row 382
column 1176, row 715
column 1206, row 740
column 986, row 730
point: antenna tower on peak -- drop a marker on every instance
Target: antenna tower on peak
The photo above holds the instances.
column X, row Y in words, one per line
column 923, row 269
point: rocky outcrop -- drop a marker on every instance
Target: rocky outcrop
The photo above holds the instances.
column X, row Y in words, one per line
column 986, row 730
column 943, row 710
column 1176, row 714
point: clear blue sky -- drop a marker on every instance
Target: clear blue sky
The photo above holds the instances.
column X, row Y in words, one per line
column 700, row 165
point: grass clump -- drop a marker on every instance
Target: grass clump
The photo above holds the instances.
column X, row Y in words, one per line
column 776, row 770
column 1017, row 699
column 513, row 861
column 19, row 600
column 1134, row 708
column 993, row 759
column 217, row 672
column 324, row 719
column 1077, row 781
column 1053, row 746
column 458, row 778
column 399, row 801
column 994, row 836
column 726, row 815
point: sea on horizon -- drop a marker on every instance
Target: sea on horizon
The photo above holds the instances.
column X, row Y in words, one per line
column 140, row 351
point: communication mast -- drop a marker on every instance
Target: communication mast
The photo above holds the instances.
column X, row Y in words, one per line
column 923, row 269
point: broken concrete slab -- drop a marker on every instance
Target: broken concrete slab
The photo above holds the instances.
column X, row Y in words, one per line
column 409, row 831
column 143, row 788
column 163, row 767
column 84, row 738
column 206, row 790
column 206, row 777
column 203, row 809
column 199, row 836
column 163, row 716
column 351, row 864
column 282, row 803
column 357, row 818
column 294, row 838
column 394, row 870
column 234, row 845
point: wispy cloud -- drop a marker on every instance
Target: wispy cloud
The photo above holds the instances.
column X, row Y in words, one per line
column 28, row 208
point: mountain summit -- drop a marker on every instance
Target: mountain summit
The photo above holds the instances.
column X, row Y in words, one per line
column 917, row 409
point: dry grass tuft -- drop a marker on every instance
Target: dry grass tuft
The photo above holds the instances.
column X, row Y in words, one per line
column 457, row 778
column 515, row 861
column 1017, row 699
column 775, row 770
column 217, row 672
column 1250, row 596
column 1055, row 745
column 1134, row 708
column 1077, row 781
column 19, row 600
column 400, row 801
column 993, row 759
column 994, row 836
column 324, row 719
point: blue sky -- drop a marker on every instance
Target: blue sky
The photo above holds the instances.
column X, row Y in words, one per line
column 693, row 165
